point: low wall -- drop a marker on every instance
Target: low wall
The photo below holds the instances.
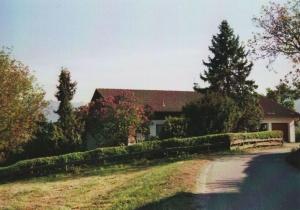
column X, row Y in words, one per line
column 241, row 144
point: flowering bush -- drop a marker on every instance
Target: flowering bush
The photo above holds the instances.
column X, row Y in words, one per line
column 115, row 120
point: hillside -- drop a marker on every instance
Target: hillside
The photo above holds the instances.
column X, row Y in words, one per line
column 110, row 187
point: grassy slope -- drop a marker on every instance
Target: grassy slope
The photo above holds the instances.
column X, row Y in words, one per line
column 114, row 187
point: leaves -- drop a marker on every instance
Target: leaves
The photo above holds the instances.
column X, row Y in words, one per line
column 212, row 113
column 111, row 120
column 228, row 69
column 279, row 34
column 70, row 127
column 21, row 103
column 284, row 95
column 227, row 72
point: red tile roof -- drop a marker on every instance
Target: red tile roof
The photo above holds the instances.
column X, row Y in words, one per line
column 159, row 100
column 173, row 101
column 273, row 109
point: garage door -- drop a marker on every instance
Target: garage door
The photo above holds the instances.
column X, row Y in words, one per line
column 282, row 127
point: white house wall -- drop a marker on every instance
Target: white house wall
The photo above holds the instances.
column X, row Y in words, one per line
column 269, row 121
column 289, row 121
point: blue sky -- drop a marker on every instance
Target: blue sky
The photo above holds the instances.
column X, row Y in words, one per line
column 145, row 44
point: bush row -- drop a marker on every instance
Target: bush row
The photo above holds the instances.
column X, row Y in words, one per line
column 101, row 156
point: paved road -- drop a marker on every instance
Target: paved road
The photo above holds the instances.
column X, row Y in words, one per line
column 261, row 181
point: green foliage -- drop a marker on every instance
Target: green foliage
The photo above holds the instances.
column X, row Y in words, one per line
column 43, row 143
column 65, row 93
column 228, row 68
column 21, row 104
column 257, row 135
column 174, row 127
column 68, row 129
column 227, row 74
column 251, row 114
column 149, row 150
column 212, row 113
column 284, row 95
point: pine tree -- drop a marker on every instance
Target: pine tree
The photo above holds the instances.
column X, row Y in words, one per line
column 228, row 68
column 68, row 128
column 227, row 74
column 65, row 93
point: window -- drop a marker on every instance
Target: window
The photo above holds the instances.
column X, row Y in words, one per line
column 159, row 129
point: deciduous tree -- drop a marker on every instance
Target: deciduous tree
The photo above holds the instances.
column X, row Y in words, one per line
column 279, row 35
column 280, row 31
column 21, row 103
column 284, row 95
column 111, row 120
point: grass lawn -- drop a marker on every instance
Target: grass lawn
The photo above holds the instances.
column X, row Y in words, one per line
column 143, row 185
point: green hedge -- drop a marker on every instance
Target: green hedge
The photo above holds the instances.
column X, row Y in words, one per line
column 149, row 150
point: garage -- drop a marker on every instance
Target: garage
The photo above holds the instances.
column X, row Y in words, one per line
column 284, row 127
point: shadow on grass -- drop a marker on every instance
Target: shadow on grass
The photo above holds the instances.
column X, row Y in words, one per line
column 270, row 184
column 182, row 200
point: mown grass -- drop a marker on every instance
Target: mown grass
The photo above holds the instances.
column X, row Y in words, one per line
column 141, row 185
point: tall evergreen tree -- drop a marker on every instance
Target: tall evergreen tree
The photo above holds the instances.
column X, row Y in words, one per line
column 228, row 69
column 227, row 74
column 68, row 129
column 65, row 93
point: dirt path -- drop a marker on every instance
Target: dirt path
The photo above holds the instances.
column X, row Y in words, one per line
column 261, row 181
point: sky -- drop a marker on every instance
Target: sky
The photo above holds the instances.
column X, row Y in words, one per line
column 132, row 44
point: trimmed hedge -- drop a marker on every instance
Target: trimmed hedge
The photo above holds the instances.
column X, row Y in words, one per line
column 148, row 150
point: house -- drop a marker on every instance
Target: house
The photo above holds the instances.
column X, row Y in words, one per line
column 169, row 103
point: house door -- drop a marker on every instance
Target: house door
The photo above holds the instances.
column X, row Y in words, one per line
column 282, row 127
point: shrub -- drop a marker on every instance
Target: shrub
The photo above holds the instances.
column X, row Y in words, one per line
column 44, row 143
column 213, row 113
column 111, row 120
column 174, row 127
column 148, row 150
column 21, row 104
